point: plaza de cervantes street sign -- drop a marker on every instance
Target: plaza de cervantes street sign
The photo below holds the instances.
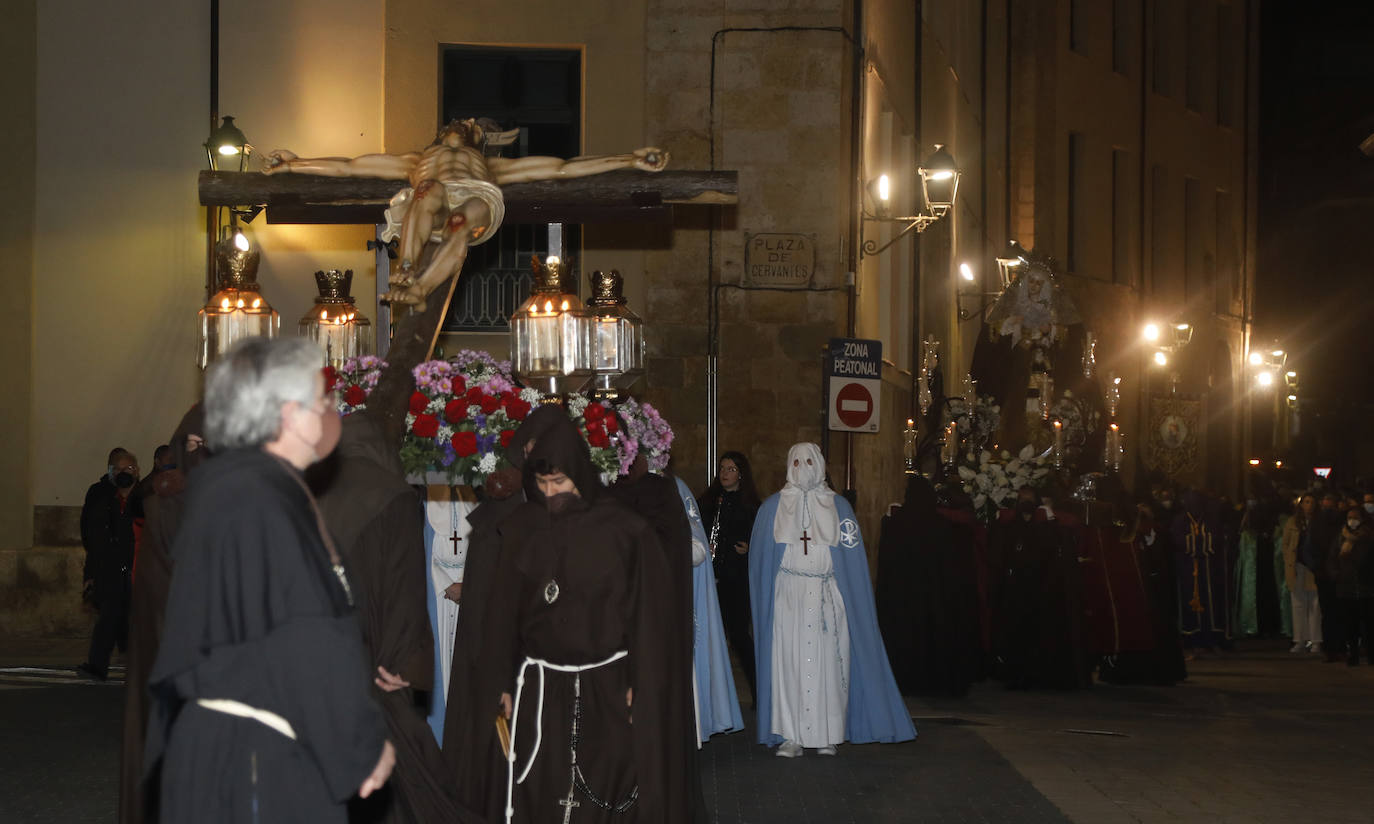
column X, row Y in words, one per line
column 779, row 260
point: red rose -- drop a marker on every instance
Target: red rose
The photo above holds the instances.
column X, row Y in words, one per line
column 506, row 435
column 517, row 409
column 474, row 395
column 419, row 401
column 456, row 411
column 489, row 404
column 598, row 439
column 425, row 426
column 331, row 377
column 612, row 425
column 465, row 443
column 460, row 385
column 594, row 412
column 355, row 395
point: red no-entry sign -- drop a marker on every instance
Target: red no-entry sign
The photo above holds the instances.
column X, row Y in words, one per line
column 854, row 405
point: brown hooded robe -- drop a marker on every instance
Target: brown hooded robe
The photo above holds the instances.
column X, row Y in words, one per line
column 377, row 524
column 612, row 592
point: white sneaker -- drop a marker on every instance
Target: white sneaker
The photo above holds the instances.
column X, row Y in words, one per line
column 830, row 750
column 1297, row 647
column 789, row 749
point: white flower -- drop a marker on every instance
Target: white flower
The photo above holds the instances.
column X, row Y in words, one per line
column 530, row 395
column 1027, row 452
column 445, row 431
column 979, row 500
column 1000, row 494
column 968, row 489
column 966, row 474
column 487, row 464
column 577, row 404
column 984, row 457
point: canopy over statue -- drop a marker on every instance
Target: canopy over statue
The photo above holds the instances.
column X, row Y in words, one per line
column 454, row 198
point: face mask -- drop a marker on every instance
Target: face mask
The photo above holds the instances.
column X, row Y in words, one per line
column 166, row 467
column 124, row 480
column 1353, row 524
column 331, row 427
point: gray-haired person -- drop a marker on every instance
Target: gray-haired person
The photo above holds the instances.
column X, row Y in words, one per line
column 261, row 687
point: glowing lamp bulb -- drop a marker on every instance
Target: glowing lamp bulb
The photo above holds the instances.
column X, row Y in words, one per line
column 944, row 174
column 1292, row 397
column 1265, row 379
column 1161, row 359
column 551, row 260
column 884, row 188
column 966, row 272
column 1151, row 332
column 1256, row 359
column 240, row 242
column 1254, row 461
column 228, row 149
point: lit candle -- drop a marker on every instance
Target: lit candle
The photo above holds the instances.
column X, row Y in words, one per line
column 1113, row 450
column 1058, row 453
column 909, row 445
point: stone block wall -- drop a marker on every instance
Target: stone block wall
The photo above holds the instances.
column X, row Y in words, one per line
column 40, row 593
column 779, row 117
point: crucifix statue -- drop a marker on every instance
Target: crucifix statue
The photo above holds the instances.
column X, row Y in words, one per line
column 454, row 198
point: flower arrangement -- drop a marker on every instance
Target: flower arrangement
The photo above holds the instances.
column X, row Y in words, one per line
column 353, row 381
column 597, row 422
column 646, row 432
column 462, row 414
column 991, row 480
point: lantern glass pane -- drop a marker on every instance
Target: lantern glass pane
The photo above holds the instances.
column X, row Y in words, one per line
column 229, row 317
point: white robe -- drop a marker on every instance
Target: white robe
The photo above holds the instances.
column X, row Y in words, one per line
column 446, row 516
column 810, row 649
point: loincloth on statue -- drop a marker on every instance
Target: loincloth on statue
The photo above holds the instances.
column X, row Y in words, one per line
column 456, row 193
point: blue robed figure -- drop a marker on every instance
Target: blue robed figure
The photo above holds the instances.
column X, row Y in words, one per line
column 823, row 672
column 716, row 698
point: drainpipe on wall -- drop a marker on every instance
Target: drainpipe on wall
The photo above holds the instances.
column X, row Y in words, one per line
column 856, row 202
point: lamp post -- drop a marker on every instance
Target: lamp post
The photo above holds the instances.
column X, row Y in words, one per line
column 939, row 185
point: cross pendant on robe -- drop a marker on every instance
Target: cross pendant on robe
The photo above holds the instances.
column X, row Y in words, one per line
column 567, row 804
column 455, row 539
column 806, row 542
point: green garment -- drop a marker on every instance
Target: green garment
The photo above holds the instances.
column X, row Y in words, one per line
column 1245, row 619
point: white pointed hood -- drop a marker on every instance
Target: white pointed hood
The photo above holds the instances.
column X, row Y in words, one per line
column 806, row 503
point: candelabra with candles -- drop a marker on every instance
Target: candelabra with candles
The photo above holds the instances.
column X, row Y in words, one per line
column 237, row 309
column 334, row 321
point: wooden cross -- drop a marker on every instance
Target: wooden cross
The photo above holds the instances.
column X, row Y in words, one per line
column 806, row 541
column 455, row 539
column 567, row 804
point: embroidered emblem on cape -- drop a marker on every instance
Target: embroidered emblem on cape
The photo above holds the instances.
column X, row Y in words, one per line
column 551, row 592
column 691, row 508
column 849, row 533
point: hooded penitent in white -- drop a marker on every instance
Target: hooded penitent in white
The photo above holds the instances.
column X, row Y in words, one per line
column 806, row 504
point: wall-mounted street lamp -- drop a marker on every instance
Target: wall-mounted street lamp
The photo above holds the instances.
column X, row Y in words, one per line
column 939, row 185
column 227, row 147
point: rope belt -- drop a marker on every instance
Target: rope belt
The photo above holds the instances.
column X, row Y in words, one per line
column 540, row 665
column 229, row 706
column 827, row 599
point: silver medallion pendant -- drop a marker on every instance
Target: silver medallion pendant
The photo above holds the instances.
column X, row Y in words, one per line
column 551, row 592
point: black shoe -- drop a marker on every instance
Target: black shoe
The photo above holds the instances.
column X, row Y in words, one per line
column 88, row 671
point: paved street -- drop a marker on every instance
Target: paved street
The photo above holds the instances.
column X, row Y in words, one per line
column 1255, row 736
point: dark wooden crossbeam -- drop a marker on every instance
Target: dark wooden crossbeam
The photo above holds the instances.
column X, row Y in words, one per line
column 626, row 196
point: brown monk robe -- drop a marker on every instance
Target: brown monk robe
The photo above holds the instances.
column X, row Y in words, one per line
column 162, row 509
column 475, row 764
column 377, row 523
column 656, row 499
column 582, row 584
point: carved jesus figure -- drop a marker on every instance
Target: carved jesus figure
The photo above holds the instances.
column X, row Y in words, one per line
column 454, row 198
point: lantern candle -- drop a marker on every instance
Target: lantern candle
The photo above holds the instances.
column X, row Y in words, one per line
column 1113, row 450
column 1058, row 453
column 909, row 446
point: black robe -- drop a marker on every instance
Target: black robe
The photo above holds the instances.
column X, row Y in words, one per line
column 613, row 592
column 927, row 598
column 1036, row 600
column 377, row 524
column 162, row 511
column 258, row 614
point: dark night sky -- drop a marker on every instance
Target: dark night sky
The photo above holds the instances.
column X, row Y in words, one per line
column 1316, row 203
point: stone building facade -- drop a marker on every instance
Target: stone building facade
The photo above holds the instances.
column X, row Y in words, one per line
column 1116, row 136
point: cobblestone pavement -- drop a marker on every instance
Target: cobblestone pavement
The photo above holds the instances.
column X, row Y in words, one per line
column 1255, row 736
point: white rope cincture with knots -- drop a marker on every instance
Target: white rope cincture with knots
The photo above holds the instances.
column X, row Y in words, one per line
column 541, row 665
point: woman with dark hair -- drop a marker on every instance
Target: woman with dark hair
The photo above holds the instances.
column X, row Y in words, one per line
column 728, row 507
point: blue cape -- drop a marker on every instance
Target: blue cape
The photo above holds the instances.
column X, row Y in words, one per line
column 875, row 713
column 438, row 699
column 717, row 701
